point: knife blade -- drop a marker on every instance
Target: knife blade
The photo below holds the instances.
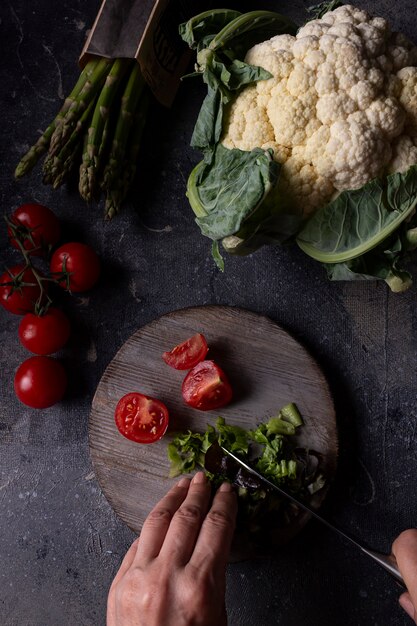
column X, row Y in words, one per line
column 386, row 561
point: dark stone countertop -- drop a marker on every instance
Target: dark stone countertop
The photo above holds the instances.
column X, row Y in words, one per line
column 60, row 542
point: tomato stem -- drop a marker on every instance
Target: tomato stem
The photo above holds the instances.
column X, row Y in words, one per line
column 21, row 234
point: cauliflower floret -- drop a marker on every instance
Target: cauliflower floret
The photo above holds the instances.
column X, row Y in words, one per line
column 345, row 153
column 387, row 116
column 331, row 108
column 300, row 180
column 248, row 122
column 279, row 62
column 408, row 96
column 340, row 108
column 404, row 154
column 346, row 13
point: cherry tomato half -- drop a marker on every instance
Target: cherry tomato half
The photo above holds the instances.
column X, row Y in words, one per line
column 37, row 228
column 187, row 354
column 80, row 262
column 21, row 297
column 40, row 382
column 44, row 334
column 141, row 418
column 206, row 387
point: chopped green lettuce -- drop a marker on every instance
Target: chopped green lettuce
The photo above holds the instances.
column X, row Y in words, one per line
column 270, row 448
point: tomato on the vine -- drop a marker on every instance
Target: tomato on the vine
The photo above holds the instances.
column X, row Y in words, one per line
column 36, row 226
column 187, row 354
column 141, row 418
column 206, row 387
column 44, row 334
column 19, row 290
column 40, row 382
column 76, row 266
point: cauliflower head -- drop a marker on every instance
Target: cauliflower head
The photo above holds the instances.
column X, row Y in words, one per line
column 340, row 108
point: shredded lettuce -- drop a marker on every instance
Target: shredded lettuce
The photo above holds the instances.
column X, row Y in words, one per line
column 270, row 448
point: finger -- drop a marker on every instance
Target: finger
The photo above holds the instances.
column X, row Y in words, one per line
column 405, row 551
column 125, row 565
column 157, row 523
column 185, row 526
column 407, row 605
column 127, row 561
column 213, row 544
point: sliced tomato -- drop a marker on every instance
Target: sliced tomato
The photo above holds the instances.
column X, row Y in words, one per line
column 141, row 418
column 206, row 387
column 187, row 354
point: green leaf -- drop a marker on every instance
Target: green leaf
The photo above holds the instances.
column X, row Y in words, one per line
column 229, row 189
column 240, row 74
column 234, row 438
column 201, row 28
column 357, row 221
column 184, row 453
column 277, row 426
column 317, row 11
column 208, row 127
column 249, row 29
column 269, row 224
column 375, row 265
column 291, row 413
column 215, row 253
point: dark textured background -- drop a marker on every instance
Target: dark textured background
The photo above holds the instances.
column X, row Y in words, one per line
column 60, row 543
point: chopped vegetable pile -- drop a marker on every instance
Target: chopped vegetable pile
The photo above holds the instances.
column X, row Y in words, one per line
column 269, row 449
column 317, row 142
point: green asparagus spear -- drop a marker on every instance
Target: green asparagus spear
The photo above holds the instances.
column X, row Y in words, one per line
column 130, row 99
column 120, row 186
column 55, row 168
column 89, row 167
column 81, row 102
column 29, row 160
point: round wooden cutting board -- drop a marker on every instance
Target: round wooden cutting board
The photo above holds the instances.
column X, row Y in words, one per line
column 266, row 367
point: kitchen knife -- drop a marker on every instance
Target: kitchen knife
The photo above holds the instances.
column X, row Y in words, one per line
column 387, row 561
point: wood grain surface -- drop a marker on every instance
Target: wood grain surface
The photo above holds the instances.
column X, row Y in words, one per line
column 267, row 369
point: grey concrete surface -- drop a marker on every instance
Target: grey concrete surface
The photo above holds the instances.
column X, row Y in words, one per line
column 60, row 542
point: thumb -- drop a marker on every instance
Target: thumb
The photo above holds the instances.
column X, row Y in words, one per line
column 407, row 605
column 404, row 549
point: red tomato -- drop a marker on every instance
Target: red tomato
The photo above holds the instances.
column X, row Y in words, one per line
column 81, row 263
column 206, row 387
column 44, row 334
column 38, row 228
column 141, row 418
column 40, row 382
column 187, row 354
column 23, row 296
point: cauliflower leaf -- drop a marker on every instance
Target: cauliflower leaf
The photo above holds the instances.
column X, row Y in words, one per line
column 359, row 220
column 224, row 193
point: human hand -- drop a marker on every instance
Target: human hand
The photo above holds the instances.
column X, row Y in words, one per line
column 404, row 549
column 174, row 574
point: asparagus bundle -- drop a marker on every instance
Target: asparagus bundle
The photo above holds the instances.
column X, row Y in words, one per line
column 99, row 129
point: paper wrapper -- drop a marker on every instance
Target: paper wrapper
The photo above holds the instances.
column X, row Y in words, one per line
column 145, row 30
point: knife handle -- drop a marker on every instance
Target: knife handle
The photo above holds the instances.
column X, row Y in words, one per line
column 389, row 563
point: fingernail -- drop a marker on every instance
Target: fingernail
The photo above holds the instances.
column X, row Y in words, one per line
column 407, row 605
column 226, row 487
column 184, row 482
column 199, row 478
